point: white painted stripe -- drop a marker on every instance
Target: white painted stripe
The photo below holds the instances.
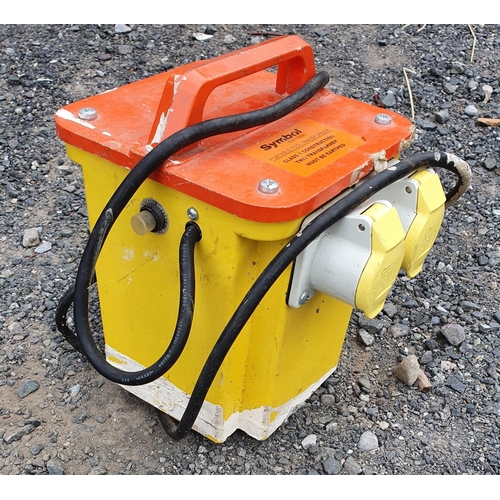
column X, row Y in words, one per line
column 210, row 422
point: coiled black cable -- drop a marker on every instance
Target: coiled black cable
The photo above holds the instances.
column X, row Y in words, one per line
column 79, row 295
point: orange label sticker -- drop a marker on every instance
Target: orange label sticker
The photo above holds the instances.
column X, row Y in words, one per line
column 306, row 148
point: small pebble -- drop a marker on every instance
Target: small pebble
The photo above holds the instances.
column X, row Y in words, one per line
column 442, row 116
column 454, row 333
column 331, row 466
column 54, row 469
column 28, row 388
column 408, row 370
column 31, row 237
column 122, row 28
column 352, row 467
column 44, row 247
column 35, row 450
column 470, row 110
column 368, row 441
column 309, row 441
column 449, row 88
column 365, row 338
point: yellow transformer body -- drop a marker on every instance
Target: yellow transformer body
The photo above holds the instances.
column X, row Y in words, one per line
column 283, row 352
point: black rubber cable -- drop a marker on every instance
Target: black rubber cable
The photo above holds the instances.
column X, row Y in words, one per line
column 118, row 201
column 191, row 235
column 62, row 318
column 287, row 255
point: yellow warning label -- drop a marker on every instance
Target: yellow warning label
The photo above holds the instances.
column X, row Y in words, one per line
column 305, row 148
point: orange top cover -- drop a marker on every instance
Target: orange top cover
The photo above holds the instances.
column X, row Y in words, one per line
column 314, row 153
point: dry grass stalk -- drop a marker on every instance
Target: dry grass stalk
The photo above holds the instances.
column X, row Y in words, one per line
column 473, row 43
column 409, row 92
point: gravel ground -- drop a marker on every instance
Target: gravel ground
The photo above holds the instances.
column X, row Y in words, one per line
column 58, row 416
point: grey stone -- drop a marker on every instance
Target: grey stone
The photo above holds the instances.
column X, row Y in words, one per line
column 35, row 450
column 229, row 39
column 352, row 467
column 455, row 384
column 125, row 49
column 365, row 338
column 442, row 116
column 449, row 88
column 79, row 419
column 372, row 326
column 467, row 305
column 31, row 237
column 399, row 330
column 472, row 85
column 309, row 441
column 390, row 309
column 368, row 441
column 15, row 328
column 408, row 370
column 331, row 466
column 18, row 433
column 470, row 110
column 426, row 125
column 454, row 333
column 122, row 28
column 327, row 399
column 389, row 100
column 210, row 30
column 27, row 388
column 425, row 358
column 490, row 163
column 98, row 471
column 364, row 384
column 54, row 469
column 74, row 390
column 458, row 68
column 486, row 91
column 410, row 304
column 44, row 247
column 38, row 462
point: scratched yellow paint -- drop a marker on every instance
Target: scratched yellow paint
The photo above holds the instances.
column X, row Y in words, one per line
column 279, row 353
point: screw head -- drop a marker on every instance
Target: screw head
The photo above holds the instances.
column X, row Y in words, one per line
column 383, row 119
column 87, row 114
column 304, row 297
column 268, row 186
column 192, row 213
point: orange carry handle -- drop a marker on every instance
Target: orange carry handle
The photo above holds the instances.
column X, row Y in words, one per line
column 188, row 88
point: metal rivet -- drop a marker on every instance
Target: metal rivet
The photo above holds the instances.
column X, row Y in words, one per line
column 408, row 189
column 87, row 114
column 192, row 213
column 383, row 119
column 304, row 297
column 361, row 227
column 268, row 186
